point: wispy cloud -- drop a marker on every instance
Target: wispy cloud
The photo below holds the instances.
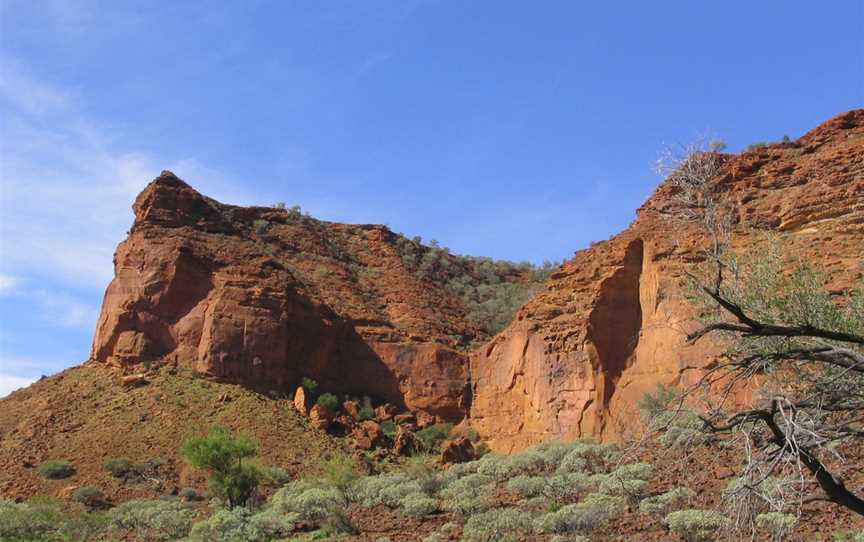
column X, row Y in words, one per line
column 10, row 383
column 64, row 310
column 66, row 187
column 7, row 283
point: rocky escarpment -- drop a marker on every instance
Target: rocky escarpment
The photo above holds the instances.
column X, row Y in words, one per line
column 611, row 324
column 266, row 296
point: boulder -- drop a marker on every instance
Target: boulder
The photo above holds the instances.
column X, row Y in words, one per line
column 321, row 417
column 404, row 443
column 132, row 381
column 458, row 450
column 367, row 435
column 424, row 419
column 406, row 419
column 352, row 408
column 301, row 401
column 385, row 412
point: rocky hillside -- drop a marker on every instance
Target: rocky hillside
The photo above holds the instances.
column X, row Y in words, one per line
column 611, row 324
column 266, row 296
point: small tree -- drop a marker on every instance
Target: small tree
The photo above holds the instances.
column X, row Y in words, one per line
column 222, row 455
column 800, row 347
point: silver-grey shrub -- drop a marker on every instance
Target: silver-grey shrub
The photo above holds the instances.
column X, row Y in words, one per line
column 367, row 490
column 696, row 525
column 589, row 456
column 468, row 494
column 526, row 486
column 585, row 516
column 242, row 525
column 308, row 501
column 499, row 524
column 664, row 503
column 153, row 519
column 418, row 505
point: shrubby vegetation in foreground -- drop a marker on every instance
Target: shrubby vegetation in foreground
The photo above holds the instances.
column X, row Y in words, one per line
column 557, row 491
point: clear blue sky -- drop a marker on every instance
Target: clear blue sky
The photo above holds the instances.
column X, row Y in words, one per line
column 518, row 130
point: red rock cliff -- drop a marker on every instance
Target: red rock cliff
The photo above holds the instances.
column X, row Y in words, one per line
column 611, row 324
column 266, row 296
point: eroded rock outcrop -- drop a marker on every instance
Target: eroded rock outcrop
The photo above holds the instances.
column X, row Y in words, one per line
column 265, row 296
column 611, row 324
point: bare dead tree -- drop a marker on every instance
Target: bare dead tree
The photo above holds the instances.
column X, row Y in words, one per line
column 799, row 346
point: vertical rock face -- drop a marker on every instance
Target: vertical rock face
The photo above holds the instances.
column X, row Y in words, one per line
column 611, row 325
column 264, row 297
column 197, row 286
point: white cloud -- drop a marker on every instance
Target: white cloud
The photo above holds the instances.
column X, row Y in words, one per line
column 64, row 310
column 10, row 383
column 66, row 190
column 7, row 283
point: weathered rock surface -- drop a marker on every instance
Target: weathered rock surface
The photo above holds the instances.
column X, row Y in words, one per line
column 264, row 297
column 611, row 324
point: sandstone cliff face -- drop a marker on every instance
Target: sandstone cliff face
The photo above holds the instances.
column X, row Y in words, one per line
column 266, row 296
column 611, row 324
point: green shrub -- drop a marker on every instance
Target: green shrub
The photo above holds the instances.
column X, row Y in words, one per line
column 89, row 496
column 777, row 524
column 389, row 429
column 366, row 411
column 667, row 502
column 222, row 455
column 43, row 519
column 309, row 385
column 277, row 476
column 418, row 505
column 500, row 524
column 695, row 525
column 118, row 466
column 431, row 437
column 56, row 469
column 340, row 472
column 242, row 525
column 153, row 520
column 420, row 469
column 329, row 401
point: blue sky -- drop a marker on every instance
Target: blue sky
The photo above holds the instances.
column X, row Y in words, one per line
column 518, row 130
